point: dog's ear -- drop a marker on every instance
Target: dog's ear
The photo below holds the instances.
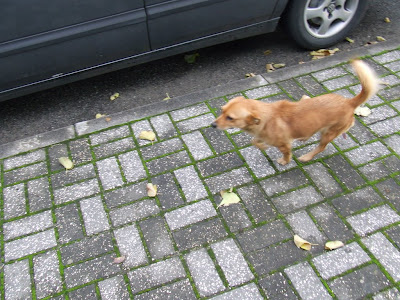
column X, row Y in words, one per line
column 253, row 119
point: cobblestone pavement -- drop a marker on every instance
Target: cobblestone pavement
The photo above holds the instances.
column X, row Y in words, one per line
column 62, row 229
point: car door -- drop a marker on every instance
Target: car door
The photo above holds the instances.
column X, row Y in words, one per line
column 179, row 21
column 43, row 39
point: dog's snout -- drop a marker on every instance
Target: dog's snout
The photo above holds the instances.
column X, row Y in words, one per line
column 214, row 124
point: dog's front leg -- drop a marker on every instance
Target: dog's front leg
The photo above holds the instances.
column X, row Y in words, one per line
column 287, row 154
column 260, row 144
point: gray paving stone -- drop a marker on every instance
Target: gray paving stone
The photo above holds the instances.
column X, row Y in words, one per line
column 234, row 215
column 311, row 85
column 345, row 143
column 340, row 82
column 46, row 273
column 360, row 283
column 361, row 133
column 156, row 274
column 297, row 199
column 125, row 195
column 228, row 180
column 344, row 172
column 156, row 236
column 390, row 94
column 112, row 148
column 367, row 153
column 80, row 151
column 204, row 273
column 170, row 162
column 190, row 183
column 390, row 190
column 391, row 294
column 162, row 148
column 14, row 201
column 387, row 255
column 323, row 180
column 218, row 140
column 86, row 248
column 88, row 271
column 373, row 219
column 25, row 173
column 263, row 236
column 336, row 262
column 393, row 66
column 394, row 234
column 257, row 162
column 17, row 281
column 169, row 196
column 263, row 91
column 276, row 287
column 219, row 164
column 114, row 288
column 387, row 57
column 85, row 293
column 232, row 262
column 140, row 126
column 109, row 135
column 380, row 113
column 375, row 170
column 71, row 176
column 94, row 215
column 329, row 73
column 190, row 214
column 303, row 277
column 55, row 152
column 248, row 292
column 284, row 182
column 396, row 105
column 163, row 126
column 292, row 89
column 197, row 145
column 68, row 223
column 29, row 245
column 195, row 123
column 176, row 291
column 134, row 212
column 109, row 173
column 38, row 222
column 241, row 139
column 330, row 149
column 130, row 245
column 76, row 191
column 188, row 112
column 132, row 166
column 388, row 126
column 394, row 143
column 274, row 154
column 24, row 159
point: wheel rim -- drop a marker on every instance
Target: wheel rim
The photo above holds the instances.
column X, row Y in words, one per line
column 325, row 18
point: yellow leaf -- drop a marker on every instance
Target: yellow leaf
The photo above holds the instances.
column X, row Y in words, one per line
column 108, row 119
column 151, row 190
column 270, row 68
column 114, row 96
column 98, row 116
column 191, row 58
column 66, row 163
column 250, row 75
column 168, row 97
column 380, row 38
column 228, row 198
column 267, row 52
column 301, row 243
column 387, row 20
column 362, row 111
column 349, row 40
column 278, row 66
column 332, row 245
column 147, row 135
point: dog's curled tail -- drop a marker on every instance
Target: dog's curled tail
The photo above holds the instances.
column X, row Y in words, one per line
column 369, row 82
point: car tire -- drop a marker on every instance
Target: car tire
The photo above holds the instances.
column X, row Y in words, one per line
column 316, row 24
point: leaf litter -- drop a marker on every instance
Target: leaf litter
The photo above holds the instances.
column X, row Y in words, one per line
column 66, row 163
column 228, row 198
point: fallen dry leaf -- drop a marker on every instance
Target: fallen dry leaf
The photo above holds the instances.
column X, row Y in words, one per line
column 278, row 66
column 301, row 243
column 349, row 40
column 168, row 97
column 119, row 260
column 380, row 38
column 267, row 52
column 228, row 198
column 270, row 68
column 250, row 75
column 151, row 190
column 147, row 135
column 98, row 116
column 323, row 52
column 387, row 20
column 191, row 58
column 114, row 96
column 362, row 111
column 371, row 43
column 66, row 163
column 332, row 245
column 108, row 119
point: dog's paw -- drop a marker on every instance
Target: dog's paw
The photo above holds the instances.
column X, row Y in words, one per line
column 282, row 161
column 305, row 158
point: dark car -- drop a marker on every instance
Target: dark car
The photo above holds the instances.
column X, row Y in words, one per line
column 48, row 43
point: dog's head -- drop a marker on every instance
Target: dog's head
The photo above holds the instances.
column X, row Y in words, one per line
column 237, row 113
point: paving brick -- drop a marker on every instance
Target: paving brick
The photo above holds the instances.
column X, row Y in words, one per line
column 90, row 270
column 276, row 287
column 361, row 133
column 375, row 170
column 195, row 123
column 344, row 172
column 323, row 180
column 257, row 162
column 283, row 182
column 283, row 255
column 345, row 143
column 218, row 140
column 242, row 139
column 76, row 191
column 14, row 201
column 38, row 222
column 232, row 262
column 24, row 159
column 390, row 80
column 190, row 214
column 169, row 196
column 330, row 149
column 379, row 114
column 17, row 280
column 311, row 85
column 162, row 148
column 204, row 273
column 297, row 199
column 199, row 234
column 109, row 135
column 85, row 293
column 190, row 183
column 197, row 145
column 329, row 73
column 29, row 245
column 393, row 66
column 263, row 236
column 367, row 153
column 156, row 274
column 248, row 292
column 234, row 215
column 25, row 173
column 263, row 91
column 390, row 93
column 386, row 127
column 114, row 288
column 55, row 152
column 130, row 245
column 274, row 154
column 385, row 252
column 46, row 274
column 112, row 148
column 170, row 162
column 94, row 215
column 336, row 262
column 340, row 82
column 292, row 89
column 332, row 226
column 219, row 164
column 140, row 126
column 86, row 248
column 76, row 174
column 390, row 190
column 109, row 173
column 175, row 291
column 156, row 237
column 394, row 234
column 303, row 277
column 388, row 295
column 125, row 195
column 68, row 223
column 359, row 284
column 373, row 219
column 228, row 180
column 188, row 112
column 387, row 57
column 134, row 212
column 132, row 166
column 80, row 151
column 392, row 163
column 163, row 126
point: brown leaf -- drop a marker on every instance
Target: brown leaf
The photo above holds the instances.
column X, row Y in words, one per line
column 151, row 190
column 278, row 66
column 301, row 243
column 119, row 260
column 270, row 68
column 108, row 119
column 267, row 52
column 250, row 75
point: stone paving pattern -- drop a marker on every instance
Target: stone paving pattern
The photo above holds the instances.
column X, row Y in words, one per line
column 61, row 230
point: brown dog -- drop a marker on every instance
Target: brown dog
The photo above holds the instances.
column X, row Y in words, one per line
column 279, row 123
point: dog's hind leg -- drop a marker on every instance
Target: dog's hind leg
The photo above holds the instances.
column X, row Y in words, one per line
column 326, row 137
column 287, row 154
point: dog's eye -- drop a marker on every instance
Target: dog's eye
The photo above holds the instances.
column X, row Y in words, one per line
column 228, row 118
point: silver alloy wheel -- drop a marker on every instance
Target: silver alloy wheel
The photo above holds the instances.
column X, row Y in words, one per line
column 325, row 18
